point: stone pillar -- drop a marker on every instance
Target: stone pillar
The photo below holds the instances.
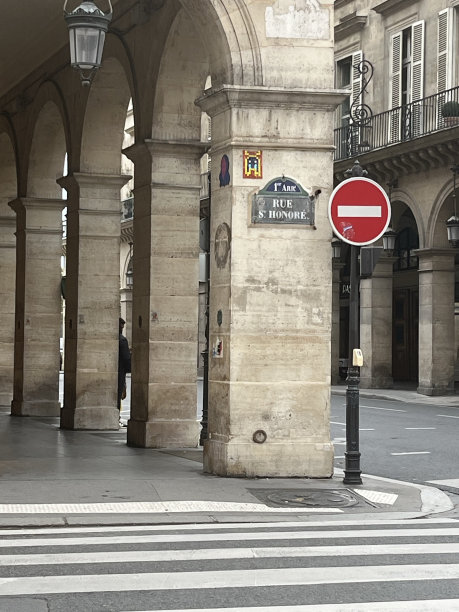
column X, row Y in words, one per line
column 38, row 306
column 376, row 326
column 335, row 336
column 92, row 301
column 271, row 289
column 7, row 292
column 165, row 294
column 437, row 351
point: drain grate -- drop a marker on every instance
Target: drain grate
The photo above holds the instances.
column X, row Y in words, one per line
column 310, row 498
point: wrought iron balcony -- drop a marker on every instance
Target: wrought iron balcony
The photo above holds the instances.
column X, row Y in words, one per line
column 401, row 124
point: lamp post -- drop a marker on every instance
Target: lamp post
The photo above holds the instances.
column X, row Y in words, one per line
column 87, row 26
column 205, row 353
column 452, row 225
column 352, row 471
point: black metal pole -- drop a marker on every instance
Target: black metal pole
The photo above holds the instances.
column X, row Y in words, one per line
column 352, row 470
column 205, row 352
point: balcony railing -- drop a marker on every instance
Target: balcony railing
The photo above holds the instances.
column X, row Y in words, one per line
column 397, row 125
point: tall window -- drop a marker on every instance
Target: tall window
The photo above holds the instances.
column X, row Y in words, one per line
column 407, row 82
column 349, row 77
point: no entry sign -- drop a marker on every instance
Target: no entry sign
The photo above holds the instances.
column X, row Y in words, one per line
column 359, row 211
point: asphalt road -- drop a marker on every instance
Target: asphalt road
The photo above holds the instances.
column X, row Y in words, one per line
column 409, row 442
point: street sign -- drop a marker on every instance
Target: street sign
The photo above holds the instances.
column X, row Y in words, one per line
column 359, row 211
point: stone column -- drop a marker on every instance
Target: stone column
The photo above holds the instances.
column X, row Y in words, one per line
column 165, row 294
column 38, row 306
column 437, row 349
column 376, row 326
column 271, row 288
column 7, row 292
column 92, row 301
column 335, row 336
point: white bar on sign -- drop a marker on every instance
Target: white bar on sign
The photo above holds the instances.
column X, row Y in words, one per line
column 359, row 211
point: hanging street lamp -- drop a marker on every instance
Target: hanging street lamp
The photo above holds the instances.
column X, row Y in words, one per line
column 388, row 239
column 336, row 245
column 87, row 26
column 452, row 225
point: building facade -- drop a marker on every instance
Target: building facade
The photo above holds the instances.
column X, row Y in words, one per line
column 270, row 65
column 399, row 60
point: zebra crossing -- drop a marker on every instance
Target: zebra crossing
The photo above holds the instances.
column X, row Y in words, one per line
column 334, row 565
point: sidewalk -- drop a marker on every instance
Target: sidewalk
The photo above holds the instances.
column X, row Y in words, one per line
column 50, row 476
column 408, row 395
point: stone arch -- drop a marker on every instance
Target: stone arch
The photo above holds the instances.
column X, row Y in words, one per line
column 8, row 166
column 181, row 80
column 230, row 37
column 442, row 210
column 104, row 119
column 403, row 198
column 49, row 134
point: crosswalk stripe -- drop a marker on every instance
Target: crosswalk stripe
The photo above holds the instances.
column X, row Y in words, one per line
column 217, row 526
column 218, row 537
column 144, row 556
column 431, row 605
column 225, row 579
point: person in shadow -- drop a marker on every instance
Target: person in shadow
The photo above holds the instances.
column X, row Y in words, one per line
column 124, row 363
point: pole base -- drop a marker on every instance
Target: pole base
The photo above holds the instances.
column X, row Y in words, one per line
column 352, row 471
column 352, row 478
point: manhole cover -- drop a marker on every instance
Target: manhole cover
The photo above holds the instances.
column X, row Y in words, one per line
column 312, row 498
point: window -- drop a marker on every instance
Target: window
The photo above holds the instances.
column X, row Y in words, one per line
column 407, row 82
column 348, row 76
column 344, row 69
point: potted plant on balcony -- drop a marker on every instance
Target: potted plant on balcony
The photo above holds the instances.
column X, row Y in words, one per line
column 450, row 113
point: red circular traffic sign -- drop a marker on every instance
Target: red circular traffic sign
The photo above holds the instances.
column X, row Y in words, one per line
column 359, row 211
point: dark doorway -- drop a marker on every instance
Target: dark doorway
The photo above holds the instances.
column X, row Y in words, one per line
column 405, row 334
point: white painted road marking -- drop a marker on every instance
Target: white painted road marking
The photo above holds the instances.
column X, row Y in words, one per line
column 388, row 409
column 359, row 211
column 336, row 423
column 413, row 453
column 448, row 416
column 140, row 556
column 225, row 579
column 420, row 428
column 451, row 482
column 430, row 605
column 233, row 537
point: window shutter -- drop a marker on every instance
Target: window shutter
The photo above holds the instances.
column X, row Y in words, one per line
column 417, row 78
column 442, row 50
column 417, row 68
column 395, row 85
column 445, row 56
column 354, row 136
column 356, row 79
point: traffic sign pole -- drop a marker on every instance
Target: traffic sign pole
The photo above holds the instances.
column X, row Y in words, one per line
column 352, row 471
column 359, row 213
